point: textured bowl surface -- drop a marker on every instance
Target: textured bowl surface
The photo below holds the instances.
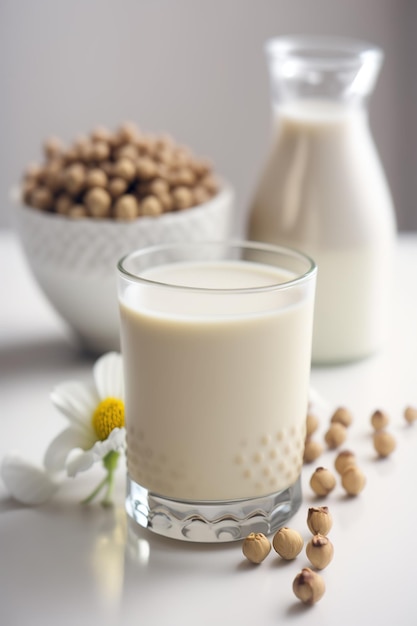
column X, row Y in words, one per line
column 74, row 261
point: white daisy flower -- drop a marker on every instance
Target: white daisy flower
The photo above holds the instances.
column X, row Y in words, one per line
column 95, row 433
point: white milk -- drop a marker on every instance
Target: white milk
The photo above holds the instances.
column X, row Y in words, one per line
column 323, row 191
column 216, row 384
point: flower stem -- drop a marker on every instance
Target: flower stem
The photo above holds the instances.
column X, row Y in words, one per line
column 110, row 464
column 96, row 491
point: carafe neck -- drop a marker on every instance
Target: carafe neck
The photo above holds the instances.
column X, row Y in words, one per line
column 338, row 70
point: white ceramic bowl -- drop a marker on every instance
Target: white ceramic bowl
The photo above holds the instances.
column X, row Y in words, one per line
column 74, row 261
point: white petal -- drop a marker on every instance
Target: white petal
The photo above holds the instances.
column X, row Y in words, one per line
column 59, row 448
column 77, row 401
column 80, row 460
column 26, row 482
column 108, row 376
column 115, row 441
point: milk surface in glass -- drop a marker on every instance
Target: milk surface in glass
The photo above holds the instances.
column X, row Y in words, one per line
column 216, row 383
column 323, row 191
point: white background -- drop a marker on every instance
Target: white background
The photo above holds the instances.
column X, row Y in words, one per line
column 193, row 68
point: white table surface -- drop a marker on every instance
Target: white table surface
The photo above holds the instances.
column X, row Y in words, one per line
column 62, row 563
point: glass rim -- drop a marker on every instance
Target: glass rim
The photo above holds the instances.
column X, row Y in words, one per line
column 300, row 278
column 322, row 50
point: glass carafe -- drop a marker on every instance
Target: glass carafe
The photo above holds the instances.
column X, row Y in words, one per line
column 323, row 189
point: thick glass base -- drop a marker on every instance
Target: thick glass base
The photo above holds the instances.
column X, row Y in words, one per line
column 211, row 521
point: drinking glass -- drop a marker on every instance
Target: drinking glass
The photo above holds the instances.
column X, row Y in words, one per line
column 216, row 346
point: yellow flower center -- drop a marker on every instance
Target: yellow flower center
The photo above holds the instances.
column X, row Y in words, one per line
column 109, row 414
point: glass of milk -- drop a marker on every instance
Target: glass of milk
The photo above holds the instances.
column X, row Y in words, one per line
column 216, row 345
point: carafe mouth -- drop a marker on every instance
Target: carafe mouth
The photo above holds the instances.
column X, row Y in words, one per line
column 335, row 68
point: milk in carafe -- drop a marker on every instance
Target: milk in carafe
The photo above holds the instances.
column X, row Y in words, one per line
column 324, row 191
